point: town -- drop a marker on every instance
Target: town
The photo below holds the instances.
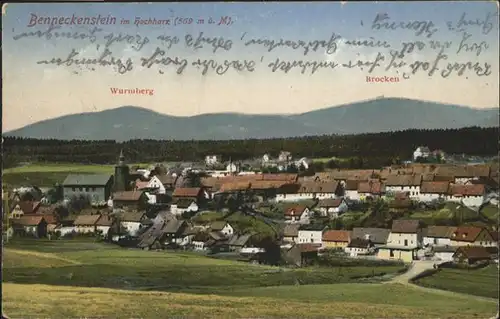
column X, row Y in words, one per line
column 416, row 211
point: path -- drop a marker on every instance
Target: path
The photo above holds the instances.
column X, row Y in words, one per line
column 42, row 255
column 418, row 267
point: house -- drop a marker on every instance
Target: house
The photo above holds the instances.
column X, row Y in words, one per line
column 433, row 190
column 405, row 233
column 182, row 205
column 86, row 223
column 311, row 234
column 370, row 189
column 377, row 236
column 266, row 158
column 358, row 246
column 131, row 222
column 66, row 226
column 298, row 214
column 223, row 227
column 351, row 189
column 291, row 233
column 471, row 254
column 332, row 207
column 174, row 232
column 320, row 190
column 471, row 195
column 198, row 194
column 103, row 224
column 162, row 183
column 213, row 159
column 438, row 235
column 301, row 254
column 403, row 242
column 409, row 184
column 198, row 241
column 285, row 156
column 238, row 242
column 303, row 163
column 422, row 152
column 129, row 199
column 336, row 239
column 96, row 187
column 141, row 185
column 30, row 225
column 444, row 253
column 472, row 236
column 24, row 207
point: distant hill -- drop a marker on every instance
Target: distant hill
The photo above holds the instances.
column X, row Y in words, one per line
column 377, row 115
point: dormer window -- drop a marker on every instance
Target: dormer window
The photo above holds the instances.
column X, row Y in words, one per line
column 464, row 235
column 454, row 234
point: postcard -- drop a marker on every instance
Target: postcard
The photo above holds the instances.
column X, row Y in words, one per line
column 238, row 160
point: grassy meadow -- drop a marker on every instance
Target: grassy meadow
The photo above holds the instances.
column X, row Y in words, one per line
column 63, row 279
column 47, row 174
column 480, row 282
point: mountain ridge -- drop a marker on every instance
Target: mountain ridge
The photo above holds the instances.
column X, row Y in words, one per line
column 368, row 116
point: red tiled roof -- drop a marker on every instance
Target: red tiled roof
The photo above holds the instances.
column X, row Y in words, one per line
column 371, row 187
column 467, row 190
column 337, row 236
column 28, row 207
column 128, row 196
column 296, row 210
column 434, row 187
column 186, row 192
column 466, row 233
column 330, row 202
column 141, row 184
column 473, row 252
column 28, row 220
column 405, row 226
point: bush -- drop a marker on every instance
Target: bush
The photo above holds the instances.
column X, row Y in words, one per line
column 340, row 261
column 478, row 265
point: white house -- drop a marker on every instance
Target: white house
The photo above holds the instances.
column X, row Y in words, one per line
column 332, row 207
column 438, row 235
column 358, row 246
column 285, row 156
column 131, row 222
column 409, row 184
column 444, row 253
column 351, row 190
column 471, row 195
column 298, row 214
column 403, row 242
column 319, row 190
column 430, row 191
column 373, row 189
column 421, row 152
column 183, row 205
column 232, row 168
column 311, row 234
column 212, row 159
column 222, row 227
column 304, row 162
column 266, row 158
column 405, row 233
column 86, row 223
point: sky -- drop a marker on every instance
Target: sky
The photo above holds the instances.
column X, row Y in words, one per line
column 34, row 92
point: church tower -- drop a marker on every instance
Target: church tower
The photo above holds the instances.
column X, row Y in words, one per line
column 121, row 179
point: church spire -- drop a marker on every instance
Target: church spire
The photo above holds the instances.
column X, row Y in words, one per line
column 121, row 158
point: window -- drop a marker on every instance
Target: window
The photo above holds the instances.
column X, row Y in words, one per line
column 81, row 189
column 391, row 253
column 73, row 189
column 87, row 189
column 406, row 242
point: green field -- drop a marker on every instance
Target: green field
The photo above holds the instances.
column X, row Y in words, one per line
column 480, row 282
column 53, row 279
column 46, row 175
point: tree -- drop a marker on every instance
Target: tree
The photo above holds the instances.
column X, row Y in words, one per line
column 292, row 168
column 192, row 179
